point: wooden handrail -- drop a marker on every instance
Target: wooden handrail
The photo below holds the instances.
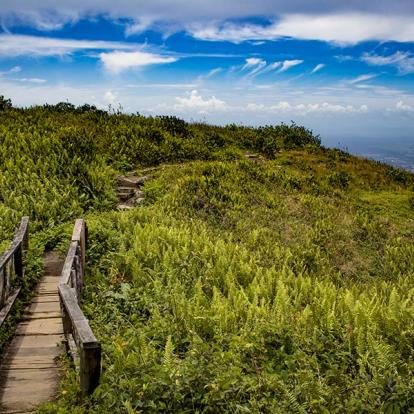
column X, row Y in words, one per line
column 84, row 347
column 12, row 269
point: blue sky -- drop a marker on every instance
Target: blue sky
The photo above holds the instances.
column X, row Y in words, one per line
column 344, row 69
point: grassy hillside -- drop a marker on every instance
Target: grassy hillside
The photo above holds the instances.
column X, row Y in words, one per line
column 277, row 284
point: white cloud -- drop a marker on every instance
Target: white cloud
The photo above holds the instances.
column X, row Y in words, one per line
column 260, row 67
column 287, row 64
column 250, row 62
column 15, row 69
column 304, row 109
column 402, row 107
column 110, row 97
column 341, row 28
column 197, row 103
column 138, row 26
column 11, row 71
column 318, row 67
column 270, row 67
column 32, row 80
column 255, row 64
column 213, row 72
column 21, row 45
column 403, row 61
column 119, row 61
column 52, row 13
column 337, row 21
column 362, row 78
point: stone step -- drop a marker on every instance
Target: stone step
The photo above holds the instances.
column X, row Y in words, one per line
column 132, row 181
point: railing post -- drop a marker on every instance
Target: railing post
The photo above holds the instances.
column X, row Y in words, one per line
column 2, row 285
column 25, row 241
column 67, row 323
column 18, row 261
column 79, row 273
column 90, row 367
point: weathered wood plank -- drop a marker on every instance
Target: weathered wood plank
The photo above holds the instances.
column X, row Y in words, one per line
column 26, row 388
column 37, row 341
column 46, row 326
column 67, row 267
column 9, row 304
column 46, row 298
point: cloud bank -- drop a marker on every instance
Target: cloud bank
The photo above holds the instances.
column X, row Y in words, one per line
column 352, row 21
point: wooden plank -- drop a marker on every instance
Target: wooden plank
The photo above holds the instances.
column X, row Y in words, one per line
column 29, row 316
column 74, row 352
column 50, row 279
column 19, row 352
column 80, row 235
column 9, row 304
column 25, row 389
column 70, row 302
column 44, row 326
column 67, row 267
column 47, row 288
column 46, row 298
column 78, row 230
column 36, row 341
column 20, row 238
column 40, row 307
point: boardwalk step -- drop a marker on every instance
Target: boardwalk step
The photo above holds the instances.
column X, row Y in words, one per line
column 46, row 326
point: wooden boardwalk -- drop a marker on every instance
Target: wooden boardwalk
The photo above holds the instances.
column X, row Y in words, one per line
column 29, row 374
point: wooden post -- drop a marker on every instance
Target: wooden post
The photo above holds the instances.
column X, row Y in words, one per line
column 18, row 261
column 79, row 235
column 2, row 280
column 25, row 226
column 90, row 367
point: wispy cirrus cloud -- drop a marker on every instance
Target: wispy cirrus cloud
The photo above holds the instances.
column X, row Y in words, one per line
column 362, row 78
column 403, row 61
column 32, row 80
column 11, row 71
column 12, row 45
column 287, row 64
column 318, row 67
column 254, row 65
column 258, row 66
column 117, row 56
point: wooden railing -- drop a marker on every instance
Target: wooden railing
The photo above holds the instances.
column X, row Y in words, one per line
column 12, row 269
column 83, row 346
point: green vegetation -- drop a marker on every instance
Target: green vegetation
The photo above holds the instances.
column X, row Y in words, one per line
column 275, row 284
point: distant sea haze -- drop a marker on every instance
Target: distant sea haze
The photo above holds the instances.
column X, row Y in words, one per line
column 396, row 152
